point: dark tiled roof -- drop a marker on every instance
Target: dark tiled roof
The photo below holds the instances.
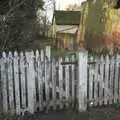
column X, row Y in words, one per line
column 67, row 17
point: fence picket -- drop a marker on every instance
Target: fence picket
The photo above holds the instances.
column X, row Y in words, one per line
column 47, row 75
column 67, row 90
column 61, row 81
column 42, row 82
column 30, row 81
column 73, row 80
column 16, row 81
column 23, row 83
column 91, row 76
column 54, row 83
column 4, row 82
column 106, row 95
column 101, row 80
column 111, row 79
column 116, row 78
column 38, row 76
column 119, row 78
column 96, row 82
column 10, row 82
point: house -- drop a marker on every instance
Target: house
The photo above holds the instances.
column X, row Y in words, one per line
column 100, row 24
column 65, row 25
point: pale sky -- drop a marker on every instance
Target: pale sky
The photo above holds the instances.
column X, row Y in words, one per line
column 62, row 4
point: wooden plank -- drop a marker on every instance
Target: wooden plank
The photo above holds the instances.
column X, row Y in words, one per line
column 23, row 80
column 73, row 80
column 96, row 82
column 61, row 81
column 119, row 78
column 111, row 79
column 54, row 83
column 82, row 80
column 16, row 81
column 106, row 95
column 10, row 82
column 91, row 76
column 40, row 79
column 67, row 82
column 116, row 78
column 30, row 81
column 4, row 82
column 47, row 75
column 101, row 83
column 36, row 80
column 42, row 58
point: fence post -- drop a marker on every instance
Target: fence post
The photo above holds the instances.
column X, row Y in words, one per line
column 82, row 80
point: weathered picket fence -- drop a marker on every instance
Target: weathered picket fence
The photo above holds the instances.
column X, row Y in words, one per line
column 104, row 79
column 98, row 80
column 33, row 80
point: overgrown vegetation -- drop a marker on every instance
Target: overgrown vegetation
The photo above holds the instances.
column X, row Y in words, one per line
column 19, row 25
column 99, row 32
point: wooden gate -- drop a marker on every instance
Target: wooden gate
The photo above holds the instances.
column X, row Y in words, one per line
column 33, row 80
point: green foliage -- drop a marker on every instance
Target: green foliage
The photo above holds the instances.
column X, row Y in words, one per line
column 116, row 105
column 18, row 24
column 94, row 23
column 27, row 5
column 56, row 53
column 95, row 36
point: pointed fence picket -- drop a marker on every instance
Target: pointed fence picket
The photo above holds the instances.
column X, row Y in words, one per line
column 10, row 82
column 16, row 82
column 22, row 80
column 4, row 82
column 61, row 81
column 101, row 78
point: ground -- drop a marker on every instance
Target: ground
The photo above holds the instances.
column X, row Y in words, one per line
column 103, row 113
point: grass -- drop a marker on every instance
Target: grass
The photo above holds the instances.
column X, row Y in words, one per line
column 116, row 105
column 56, row 53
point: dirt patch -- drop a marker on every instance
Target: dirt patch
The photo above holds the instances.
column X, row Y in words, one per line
column 104, row 113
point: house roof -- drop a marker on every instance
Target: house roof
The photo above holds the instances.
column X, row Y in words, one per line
column 67, row 17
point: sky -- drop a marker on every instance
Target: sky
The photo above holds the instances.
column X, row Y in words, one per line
column 62, row 4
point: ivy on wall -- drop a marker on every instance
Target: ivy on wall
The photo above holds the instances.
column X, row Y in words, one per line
column 99, row 23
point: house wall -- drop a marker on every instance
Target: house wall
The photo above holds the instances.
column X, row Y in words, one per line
column 65, row 41
column 100, row 24
column 64, row 35
column 66, row 28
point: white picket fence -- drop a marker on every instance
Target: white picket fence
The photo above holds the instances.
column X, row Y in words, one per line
column 34, row 80
column 104, row 79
